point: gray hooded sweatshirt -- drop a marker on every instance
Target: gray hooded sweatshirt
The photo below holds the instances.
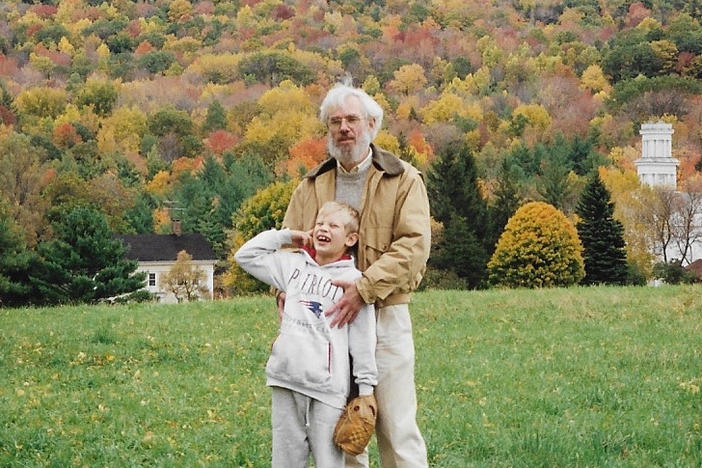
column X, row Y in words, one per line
column 308, row 356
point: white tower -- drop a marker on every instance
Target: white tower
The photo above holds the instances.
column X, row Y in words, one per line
column 657, row 167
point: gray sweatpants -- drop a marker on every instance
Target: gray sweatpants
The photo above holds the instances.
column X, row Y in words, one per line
column 303, row 425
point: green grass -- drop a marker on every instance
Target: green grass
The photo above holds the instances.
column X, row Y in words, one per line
column 548, row 378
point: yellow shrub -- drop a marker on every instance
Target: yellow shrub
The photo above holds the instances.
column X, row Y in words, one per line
column 539, row 248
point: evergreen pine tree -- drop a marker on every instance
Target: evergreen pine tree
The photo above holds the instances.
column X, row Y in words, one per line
column 194, row 196
column 84, row 263
column 601, row 235
column 216, row 118
column 552, row 182
column 507, row 199
column 140, row 217
column 460, row 251
column 16, row 262
column 452, row 185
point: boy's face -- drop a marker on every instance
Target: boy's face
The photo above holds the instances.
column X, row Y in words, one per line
column 330, row 236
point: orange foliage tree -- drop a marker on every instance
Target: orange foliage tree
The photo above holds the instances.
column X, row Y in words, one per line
column 65, row 135
column 305, row 155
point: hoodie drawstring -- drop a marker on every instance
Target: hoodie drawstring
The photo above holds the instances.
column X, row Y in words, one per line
column 307, row 412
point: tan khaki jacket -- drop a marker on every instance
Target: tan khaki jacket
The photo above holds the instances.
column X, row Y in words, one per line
column 394, row 233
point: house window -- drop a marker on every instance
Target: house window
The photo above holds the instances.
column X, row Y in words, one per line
column 152, row 279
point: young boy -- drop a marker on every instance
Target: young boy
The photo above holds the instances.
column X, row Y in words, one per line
column 308, row 370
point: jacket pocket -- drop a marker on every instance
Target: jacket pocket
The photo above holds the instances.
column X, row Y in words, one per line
column 377, row 242
column 303, row 360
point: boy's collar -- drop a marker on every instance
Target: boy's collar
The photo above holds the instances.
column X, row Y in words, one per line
column 313, row 253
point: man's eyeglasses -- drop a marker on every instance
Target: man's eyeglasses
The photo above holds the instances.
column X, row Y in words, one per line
column 351, row 121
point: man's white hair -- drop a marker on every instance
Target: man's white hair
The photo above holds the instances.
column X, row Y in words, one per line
column 337, row 96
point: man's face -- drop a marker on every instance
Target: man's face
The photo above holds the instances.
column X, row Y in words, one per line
column 349, row 132
column 330, row 237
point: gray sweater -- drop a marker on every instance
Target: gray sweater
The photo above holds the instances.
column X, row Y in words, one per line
column 308, row 356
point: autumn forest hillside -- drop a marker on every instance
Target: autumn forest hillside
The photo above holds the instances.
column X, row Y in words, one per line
column 149, row 111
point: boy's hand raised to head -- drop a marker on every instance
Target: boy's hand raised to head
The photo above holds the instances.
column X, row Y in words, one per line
column 348, row 306
column 301, row 238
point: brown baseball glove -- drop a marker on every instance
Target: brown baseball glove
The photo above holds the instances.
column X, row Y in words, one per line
column 356, row 425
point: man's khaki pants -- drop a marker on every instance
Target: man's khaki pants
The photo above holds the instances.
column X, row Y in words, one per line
column 399, row 441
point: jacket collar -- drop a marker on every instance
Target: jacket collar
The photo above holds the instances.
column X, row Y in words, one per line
column 383, row 160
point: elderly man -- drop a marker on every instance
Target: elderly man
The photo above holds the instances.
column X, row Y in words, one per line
column 392, row 252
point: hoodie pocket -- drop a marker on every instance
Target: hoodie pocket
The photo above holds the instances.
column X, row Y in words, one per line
column 303, row 360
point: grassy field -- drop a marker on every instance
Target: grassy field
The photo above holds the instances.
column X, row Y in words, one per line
column 548, row 378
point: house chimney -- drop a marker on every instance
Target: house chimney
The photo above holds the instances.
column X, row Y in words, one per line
column 176, row 227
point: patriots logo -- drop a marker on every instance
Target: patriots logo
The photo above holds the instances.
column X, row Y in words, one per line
column 313, row 306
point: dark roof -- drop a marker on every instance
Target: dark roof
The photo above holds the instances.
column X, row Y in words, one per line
column 158, row 247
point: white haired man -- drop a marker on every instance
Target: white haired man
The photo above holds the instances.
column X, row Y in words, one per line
column 393, row 247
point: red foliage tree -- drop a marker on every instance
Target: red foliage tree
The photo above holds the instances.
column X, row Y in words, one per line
column 133, row 28
column 637, row 12
column 7, row 117
column 282, row 12
column 44, row 11
column 221, row 141
column 8, row 65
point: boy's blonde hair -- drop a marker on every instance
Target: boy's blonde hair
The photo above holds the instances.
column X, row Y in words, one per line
column 354, row 215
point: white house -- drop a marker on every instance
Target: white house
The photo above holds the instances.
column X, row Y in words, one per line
column 157, row 253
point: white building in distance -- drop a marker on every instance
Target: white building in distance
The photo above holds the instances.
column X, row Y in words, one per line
column 658, row 168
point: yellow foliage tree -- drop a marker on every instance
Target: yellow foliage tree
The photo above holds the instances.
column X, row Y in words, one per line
column 447, row 107
column 265, row 210
column 85, row 116
column 103, row 51
column 221, row 68
column 185, row 279
column 629, row 200
column 387, row 141
column 667, row 52
column 65, row 46
column 408, row 79
column 180, row 11
column 461, row 87
column 160, row 183
column 371, row 85
column 274, row 136
column 67, row 9
column 41, row 101
column 162, row 221
column 41, row 63
column 123, row 130
column 538, row 248
column 594, row 79
column 536, row 115
column 286, row 96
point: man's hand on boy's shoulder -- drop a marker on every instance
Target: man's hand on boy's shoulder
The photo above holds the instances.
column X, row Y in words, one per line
column 301, row 238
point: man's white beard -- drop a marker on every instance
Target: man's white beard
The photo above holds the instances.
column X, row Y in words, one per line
column 351, row 155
